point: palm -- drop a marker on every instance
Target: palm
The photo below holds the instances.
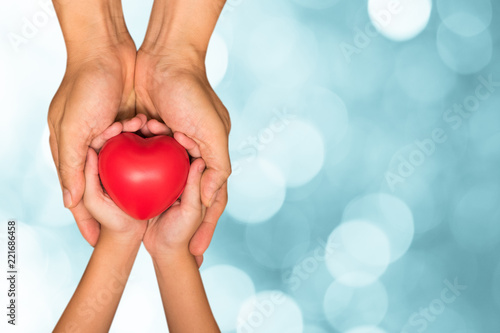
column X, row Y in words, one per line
column 177, row 96
column 93, row 93
column 168, row 229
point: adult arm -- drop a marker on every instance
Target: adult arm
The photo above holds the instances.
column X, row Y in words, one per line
column 97, row 88
column 171, row 85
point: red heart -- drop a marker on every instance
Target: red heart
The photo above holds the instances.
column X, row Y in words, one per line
column 143, row 176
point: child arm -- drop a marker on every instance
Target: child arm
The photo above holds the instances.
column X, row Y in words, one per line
column 167, row 240
column 94, row 303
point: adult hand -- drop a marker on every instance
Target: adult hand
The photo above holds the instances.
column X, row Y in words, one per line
column 174, row 88
column 96, row 89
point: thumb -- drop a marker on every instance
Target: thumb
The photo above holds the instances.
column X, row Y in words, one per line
column 92, row 183
column 72, row 155
column 211, row 182
column 191, row 196
column 216, row 156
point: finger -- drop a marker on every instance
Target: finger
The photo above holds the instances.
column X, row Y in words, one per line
column 191, row 196
column 203, row 236
column 111, row 131
column 88, row 226
column 134, row 124
column 158, row 128
column 93, row 188
column 189, row 144
column 146, row 132
column 72, row 148
column 216, row 155
column 199, row 260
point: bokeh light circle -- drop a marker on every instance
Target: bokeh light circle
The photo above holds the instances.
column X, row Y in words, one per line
column 300, row 157
column 422, row 74
column 465, row 17
column 360, row 253
column 257, row 190
column 291, row 227
column 270, row 312
column 281, row 52
column 347, row 307
column 388, row 213
column 227, row 287
column 400, row 20
column 464, row 54
column 475, row 220
column 216, row 59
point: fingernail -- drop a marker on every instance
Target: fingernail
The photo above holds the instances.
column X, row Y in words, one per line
column 202, row 166
column 67, row 198
column 213, row 198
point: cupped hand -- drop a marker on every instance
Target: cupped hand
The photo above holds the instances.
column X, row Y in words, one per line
column 111, row 218
column 175, row 89
column 172, row 231
column 97, row 89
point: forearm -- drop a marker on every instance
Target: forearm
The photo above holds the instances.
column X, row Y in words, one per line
column 91, row 24
column 184, row 26
column 184, row 299
column 94, row 303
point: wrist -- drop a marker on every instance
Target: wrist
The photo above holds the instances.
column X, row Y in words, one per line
column 171, row 256
column 92, row 27
column 177, row 26
column 121, row 239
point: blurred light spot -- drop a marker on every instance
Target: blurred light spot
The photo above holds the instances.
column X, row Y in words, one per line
column 366, row 329
column 216, row 60
column 273, row 107
column 257, row 190
column 282, row 52
column 308, row 280
column 316, row 4
column 465, row 17
column 464, row 55
column 270, row 312
column 400, row 20
column 388, row 213
column 360, row 253
column 292, row 229
column 227, row 287
column 298, row 151
column 47, row 209
column 358, row 67
column 326, row 110
column 348, row 307
column 475, row 220
column 136, row 302
column 422, row 74
column 143, row 273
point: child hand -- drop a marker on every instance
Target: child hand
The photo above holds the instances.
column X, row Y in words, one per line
column 172, row 231
column 112, row 219
column 99, row 204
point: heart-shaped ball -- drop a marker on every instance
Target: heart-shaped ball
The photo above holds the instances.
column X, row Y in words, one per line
column 143, row 176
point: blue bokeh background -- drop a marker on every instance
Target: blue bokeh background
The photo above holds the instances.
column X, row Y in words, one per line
column 365, row 196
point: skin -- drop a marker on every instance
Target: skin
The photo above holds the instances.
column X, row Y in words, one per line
column 107, row 79
column 166, row 237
